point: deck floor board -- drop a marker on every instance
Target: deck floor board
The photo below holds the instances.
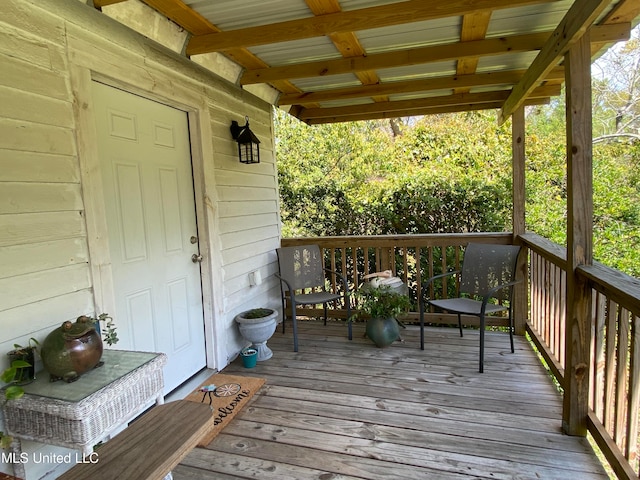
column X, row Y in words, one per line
column 342, row 410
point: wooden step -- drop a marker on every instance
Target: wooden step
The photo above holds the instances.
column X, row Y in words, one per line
column 150, row 447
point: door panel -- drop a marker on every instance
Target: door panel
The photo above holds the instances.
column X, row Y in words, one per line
column 145, row 160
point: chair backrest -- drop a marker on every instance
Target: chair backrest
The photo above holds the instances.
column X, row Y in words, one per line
column 486, row 266
column 302, row 266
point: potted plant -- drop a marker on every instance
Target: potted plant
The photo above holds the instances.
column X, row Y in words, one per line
column 21, row 371
column 108, row 332
column 256, row 326
column 382, row 305
column 22, row 362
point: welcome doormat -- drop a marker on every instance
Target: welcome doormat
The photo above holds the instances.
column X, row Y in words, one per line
column 231, row 394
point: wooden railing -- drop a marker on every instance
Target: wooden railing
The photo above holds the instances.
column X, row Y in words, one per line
column 614, row 387
column 614, row 395
column 413, row 258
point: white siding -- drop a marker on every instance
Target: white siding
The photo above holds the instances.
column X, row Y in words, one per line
column 53, row 259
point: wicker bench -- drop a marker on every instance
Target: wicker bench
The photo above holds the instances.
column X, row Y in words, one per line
column 150, row 447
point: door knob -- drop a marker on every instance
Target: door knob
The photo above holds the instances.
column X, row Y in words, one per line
column 195, row 258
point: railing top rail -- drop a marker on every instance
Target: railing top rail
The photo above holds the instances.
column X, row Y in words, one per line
column 618, row 286
column 431, row 239
column 544, row 247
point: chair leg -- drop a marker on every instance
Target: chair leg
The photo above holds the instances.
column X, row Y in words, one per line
column 481, row 344
column 325, row 314
column 460, row 324
column 295, row 327
column 284, row 313
column 421, row 326
column 349, row 322
column 511, row 329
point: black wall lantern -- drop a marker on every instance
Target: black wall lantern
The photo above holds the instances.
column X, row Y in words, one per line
column 248, row 143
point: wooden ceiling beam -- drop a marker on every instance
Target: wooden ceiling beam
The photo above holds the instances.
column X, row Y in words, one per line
column 408, row 11
column 347, row 43
column 624, row 12
column 442, row 83
column 430, row 102
column 194, row 23
column 180, row 13
column 416, row 56
column 575, row 23
column 474, row 27
column 424, row 111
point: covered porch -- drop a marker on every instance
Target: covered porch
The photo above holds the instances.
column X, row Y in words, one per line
column 608, row 370
column 336, row 409
column 346, row 409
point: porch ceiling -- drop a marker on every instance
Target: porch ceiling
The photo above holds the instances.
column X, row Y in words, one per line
column 343, row 60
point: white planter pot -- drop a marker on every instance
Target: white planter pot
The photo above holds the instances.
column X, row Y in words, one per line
column 258, row 331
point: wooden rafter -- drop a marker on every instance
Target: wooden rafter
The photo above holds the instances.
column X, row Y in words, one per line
column 327, row 18
column 194, row 23
column 475, row 80
column 420, row 104
column 474, row 27
column 416, row 56
column 574, row 24
column 423, row 111
column 347, row 43
column 350, row 21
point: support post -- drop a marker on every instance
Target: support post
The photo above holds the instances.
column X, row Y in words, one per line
column 579, row 236
column 520, row 313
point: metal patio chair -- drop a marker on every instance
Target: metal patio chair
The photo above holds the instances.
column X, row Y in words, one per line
column 302, row 270
column 488, row 272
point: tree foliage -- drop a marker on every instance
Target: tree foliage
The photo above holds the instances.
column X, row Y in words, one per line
column 452, row 173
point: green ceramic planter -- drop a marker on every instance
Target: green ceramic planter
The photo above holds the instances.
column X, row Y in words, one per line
column 383, row 331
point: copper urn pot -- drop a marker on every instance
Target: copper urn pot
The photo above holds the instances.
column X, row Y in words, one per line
column 71, row 350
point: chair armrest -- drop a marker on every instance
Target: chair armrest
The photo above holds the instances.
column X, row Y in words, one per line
column 342, row 279
column 282, row 280
column 442, row 275
column 492, row 292
column 421, row 300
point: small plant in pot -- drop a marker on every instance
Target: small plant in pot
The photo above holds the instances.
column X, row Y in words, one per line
column 22, row 362
column 21, row 371
column 108, row 332
column 382, row 305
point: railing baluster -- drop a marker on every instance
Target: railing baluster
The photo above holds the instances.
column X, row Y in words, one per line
column 622, row 358
column 634, row 391
column 614, row 396
column 598, row 362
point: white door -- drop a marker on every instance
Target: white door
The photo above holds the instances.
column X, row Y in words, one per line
column 145, row 160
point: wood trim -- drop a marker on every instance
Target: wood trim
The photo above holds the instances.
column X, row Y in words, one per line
column 92, row 186
column 573, row 26
column 349, row 21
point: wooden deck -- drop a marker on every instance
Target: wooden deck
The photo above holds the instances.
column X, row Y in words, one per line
column 346, row 410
